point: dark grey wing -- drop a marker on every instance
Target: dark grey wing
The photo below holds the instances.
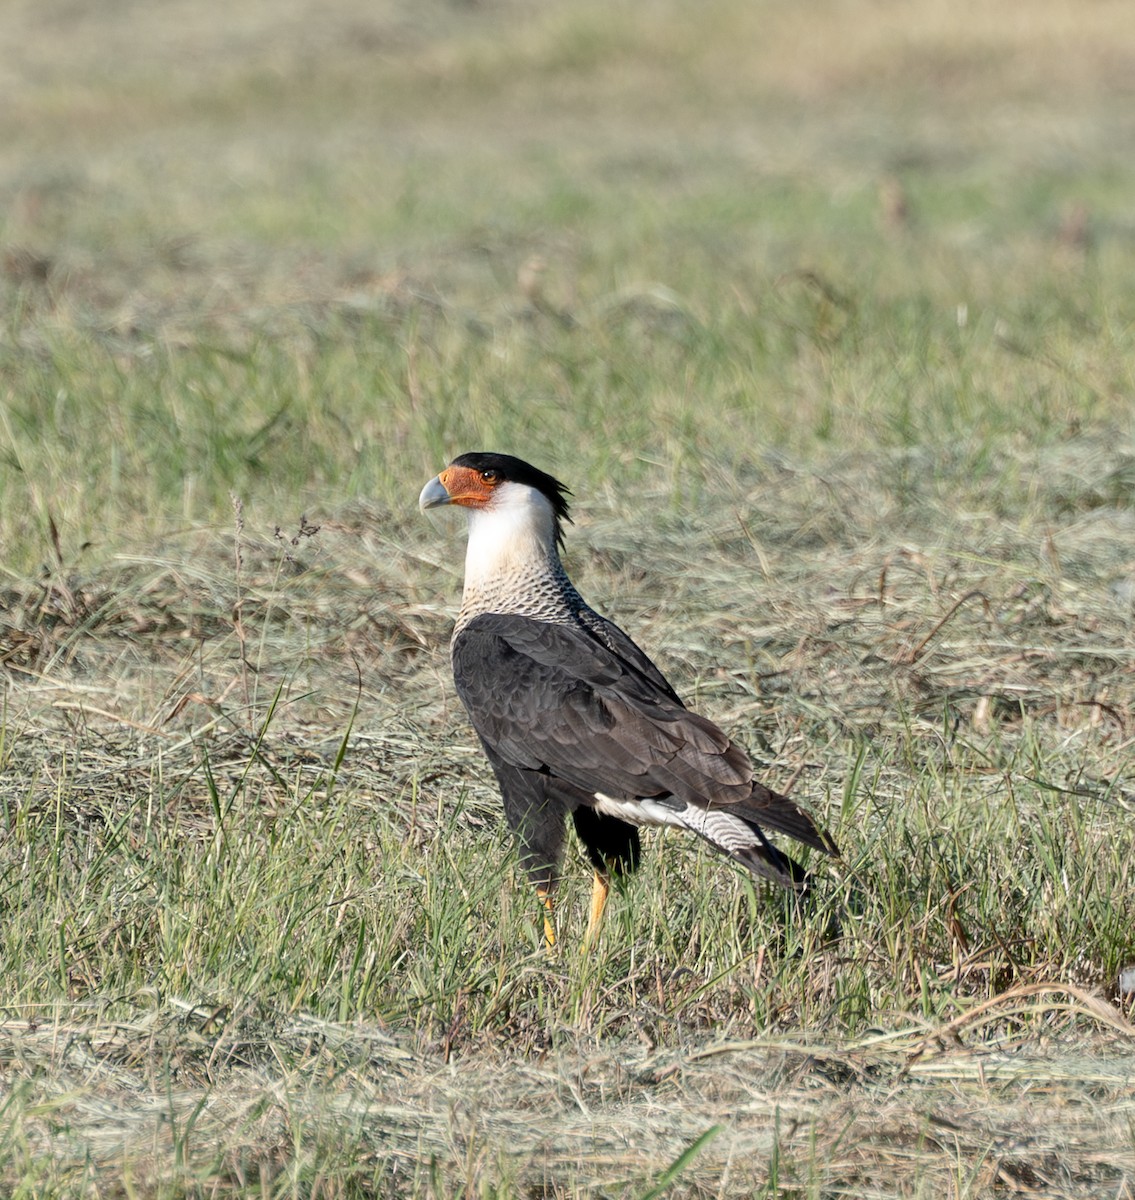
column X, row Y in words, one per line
column 762, row 805
column 628, row 650
column 555, row 698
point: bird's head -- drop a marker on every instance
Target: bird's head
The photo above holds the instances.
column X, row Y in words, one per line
column 506, row 489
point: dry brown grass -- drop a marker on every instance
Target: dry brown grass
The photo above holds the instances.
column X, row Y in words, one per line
column 249, row 1103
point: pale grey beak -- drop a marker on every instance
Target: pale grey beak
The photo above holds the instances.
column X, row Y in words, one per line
column 433, row 495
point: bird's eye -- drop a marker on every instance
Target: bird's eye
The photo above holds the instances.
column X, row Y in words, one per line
column 490, row 476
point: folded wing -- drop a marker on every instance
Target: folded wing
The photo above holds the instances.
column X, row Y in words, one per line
column 585, row 705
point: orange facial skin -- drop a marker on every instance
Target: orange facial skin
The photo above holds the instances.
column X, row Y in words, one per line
column 471, row 488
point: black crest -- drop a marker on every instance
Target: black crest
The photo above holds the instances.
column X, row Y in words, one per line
column 516, row 470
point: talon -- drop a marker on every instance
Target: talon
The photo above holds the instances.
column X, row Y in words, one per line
column 549, row 928
column 600, row 890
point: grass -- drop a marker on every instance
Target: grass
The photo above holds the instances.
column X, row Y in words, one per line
column 832, row 338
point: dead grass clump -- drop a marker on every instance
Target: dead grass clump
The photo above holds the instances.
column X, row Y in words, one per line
column 252, row 1095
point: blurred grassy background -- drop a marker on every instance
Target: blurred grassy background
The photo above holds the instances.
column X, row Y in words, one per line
column 285, row 251
column 825, row 312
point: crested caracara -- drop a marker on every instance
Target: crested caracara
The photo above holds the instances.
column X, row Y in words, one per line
column 573, row 716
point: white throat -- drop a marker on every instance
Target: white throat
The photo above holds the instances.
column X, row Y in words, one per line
column 515, row 536
column 513, row 563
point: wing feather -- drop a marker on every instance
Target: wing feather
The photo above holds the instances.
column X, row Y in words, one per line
column 560, row 699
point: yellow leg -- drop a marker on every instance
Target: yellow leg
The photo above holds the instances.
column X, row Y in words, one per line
column 600, row 890
column 549, row 929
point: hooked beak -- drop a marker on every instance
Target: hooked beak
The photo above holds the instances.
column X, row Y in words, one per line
column 434, row 495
